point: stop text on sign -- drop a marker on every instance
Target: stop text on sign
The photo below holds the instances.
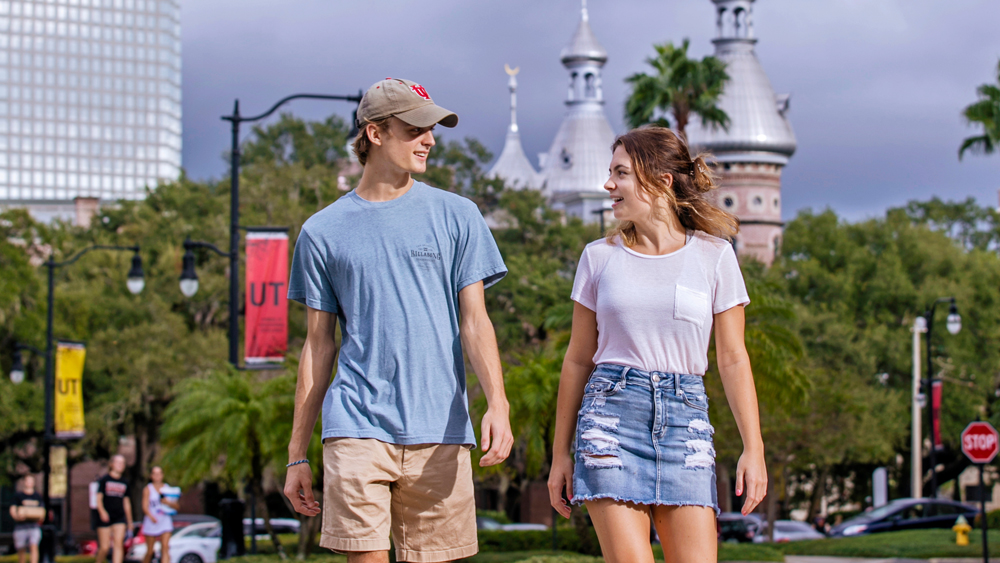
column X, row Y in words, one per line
column 980, row 442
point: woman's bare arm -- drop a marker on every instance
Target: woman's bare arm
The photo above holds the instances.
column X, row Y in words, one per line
column 576, row 368
column 737, row 380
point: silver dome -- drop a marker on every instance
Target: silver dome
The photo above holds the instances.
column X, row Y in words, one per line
column 759, row 130
column 513, row 166
column 584, row 45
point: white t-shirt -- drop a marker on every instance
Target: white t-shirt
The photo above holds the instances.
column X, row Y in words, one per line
column 655, row 313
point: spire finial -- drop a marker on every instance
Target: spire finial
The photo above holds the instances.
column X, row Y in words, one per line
column 584, row 14
column 512, row 84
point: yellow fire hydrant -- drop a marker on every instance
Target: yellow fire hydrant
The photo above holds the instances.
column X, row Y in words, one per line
column 961, row 529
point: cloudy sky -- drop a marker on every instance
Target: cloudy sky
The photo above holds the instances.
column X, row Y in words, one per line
column 877, row 85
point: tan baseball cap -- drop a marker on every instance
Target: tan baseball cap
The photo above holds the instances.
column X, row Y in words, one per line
column 406, row 100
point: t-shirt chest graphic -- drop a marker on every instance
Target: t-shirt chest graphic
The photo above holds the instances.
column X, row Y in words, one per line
column 115, row 489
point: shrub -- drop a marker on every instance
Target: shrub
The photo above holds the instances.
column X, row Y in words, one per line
column 496, row 540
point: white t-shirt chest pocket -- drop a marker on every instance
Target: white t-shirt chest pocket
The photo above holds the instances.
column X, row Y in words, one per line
column 690, row 305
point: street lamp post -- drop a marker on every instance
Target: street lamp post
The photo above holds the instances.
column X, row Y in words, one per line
column 189, row 279
column 600, row 213
column 135, row 282
column 954, row 325
column 916, row 440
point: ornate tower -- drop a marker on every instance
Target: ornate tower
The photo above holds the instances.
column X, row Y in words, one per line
column 759, row 141
column 513, row 166
column 576, row 167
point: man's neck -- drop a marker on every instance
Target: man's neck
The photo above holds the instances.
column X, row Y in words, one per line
column 381, row 183
column 115, row 474
column 30, row 491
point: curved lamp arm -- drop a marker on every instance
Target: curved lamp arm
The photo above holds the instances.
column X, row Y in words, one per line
column 356, row 99
column 78, row 255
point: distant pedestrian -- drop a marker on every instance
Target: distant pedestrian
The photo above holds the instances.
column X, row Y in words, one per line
column 157, row 525
column 632, row 407
column 115, row 512
column 401, row 267
column 28, row 513
column 95, row 516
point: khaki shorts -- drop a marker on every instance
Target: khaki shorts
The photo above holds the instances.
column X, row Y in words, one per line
column 421, row 494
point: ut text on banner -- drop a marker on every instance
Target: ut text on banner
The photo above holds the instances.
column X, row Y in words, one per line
column 69, row 389
column 266, row 296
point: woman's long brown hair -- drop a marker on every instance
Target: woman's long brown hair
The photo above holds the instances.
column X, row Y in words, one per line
column 656, row 151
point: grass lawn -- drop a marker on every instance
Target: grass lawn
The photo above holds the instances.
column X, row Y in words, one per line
column 727, row 552
column 916, row 544
column 59, row 559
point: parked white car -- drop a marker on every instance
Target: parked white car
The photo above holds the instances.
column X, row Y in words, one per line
column 197, row 543
column 788, row 530
column 486, row 523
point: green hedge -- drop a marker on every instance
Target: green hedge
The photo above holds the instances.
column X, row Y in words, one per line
column 496, row 540
column 992, row 519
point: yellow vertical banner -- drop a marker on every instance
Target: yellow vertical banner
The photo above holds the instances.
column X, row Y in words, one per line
column 69, row 389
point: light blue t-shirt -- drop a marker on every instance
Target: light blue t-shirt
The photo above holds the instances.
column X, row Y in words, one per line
column 391, row 272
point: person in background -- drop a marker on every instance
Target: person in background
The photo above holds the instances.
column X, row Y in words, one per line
column 114, row 510
column 95, row 517
column 27, row 530
column 157, row 525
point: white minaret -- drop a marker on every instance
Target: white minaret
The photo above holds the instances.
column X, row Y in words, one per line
column 759, row 141
column 576, row 167
column 513, row 166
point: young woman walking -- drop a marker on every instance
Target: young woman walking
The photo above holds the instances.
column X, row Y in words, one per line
column 157, row 525
column 632, row 407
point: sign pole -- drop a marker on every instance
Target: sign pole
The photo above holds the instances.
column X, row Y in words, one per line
column 981, row 443
column 982, row 508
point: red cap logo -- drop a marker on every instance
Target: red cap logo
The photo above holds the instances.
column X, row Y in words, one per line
column 420, row 91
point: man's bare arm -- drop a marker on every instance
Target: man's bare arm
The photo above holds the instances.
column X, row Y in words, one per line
column 315, row 369
column 480, row 342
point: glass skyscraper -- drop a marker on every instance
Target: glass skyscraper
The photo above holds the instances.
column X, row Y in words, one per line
column 90, row 101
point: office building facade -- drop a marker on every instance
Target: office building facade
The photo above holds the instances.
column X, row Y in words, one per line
column 90, row 101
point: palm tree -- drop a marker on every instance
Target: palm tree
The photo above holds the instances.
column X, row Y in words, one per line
column 986, row 113
column 223, row 426
column 681, row 86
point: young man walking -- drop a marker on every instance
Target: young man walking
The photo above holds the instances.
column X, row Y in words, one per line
column 28, row 513
column 402, row 267
column 114, row 511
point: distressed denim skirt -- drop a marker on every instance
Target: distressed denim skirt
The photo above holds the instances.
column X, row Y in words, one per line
column 644, row 437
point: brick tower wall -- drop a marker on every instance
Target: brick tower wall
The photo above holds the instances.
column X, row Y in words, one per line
column 752, row 192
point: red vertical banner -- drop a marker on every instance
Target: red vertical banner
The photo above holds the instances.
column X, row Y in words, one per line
column 936, row 413
column 266, row 296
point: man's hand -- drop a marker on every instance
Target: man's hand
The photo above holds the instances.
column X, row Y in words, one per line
column 497, row 437
column 104, row 516
column 298, row 489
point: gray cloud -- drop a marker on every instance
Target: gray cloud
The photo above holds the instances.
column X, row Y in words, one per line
column 877, row 85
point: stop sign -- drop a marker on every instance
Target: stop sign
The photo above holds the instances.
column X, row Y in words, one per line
column 980, row 442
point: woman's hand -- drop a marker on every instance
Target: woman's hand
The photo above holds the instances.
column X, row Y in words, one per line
column 152, row 518
column 561, row 476
column 751, row 476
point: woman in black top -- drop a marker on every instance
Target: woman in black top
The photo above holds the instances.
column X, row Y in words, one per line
column 115, row 512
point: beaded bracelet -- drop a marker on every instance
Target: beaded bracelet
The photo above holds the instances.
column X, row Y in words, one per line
column 301, row 461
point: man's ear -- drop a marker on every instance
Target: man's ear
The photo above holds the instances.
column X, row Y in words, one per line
column 374, row 134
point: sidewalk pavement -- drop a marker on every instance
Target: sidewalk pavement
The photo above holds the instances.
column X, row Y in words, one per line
column 824, row 559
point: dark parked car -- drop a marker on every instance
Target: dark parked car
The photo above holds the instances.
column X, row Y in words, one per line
column 735, row 527
column 906, row 514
